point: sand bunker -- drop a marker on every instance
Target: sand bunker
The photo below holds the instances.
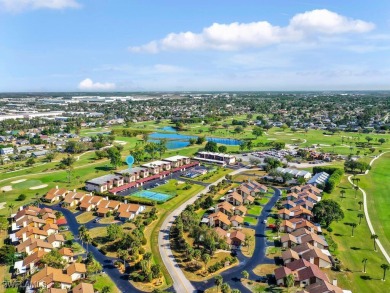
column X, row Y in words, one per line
column 121, row 142
column 18, row 181
column 2, row 205
column 327, row 135
column 288, row 133
column 6, row 188
column 294, row 139
column 321, row 144
column 38, row 187
column 271, row 138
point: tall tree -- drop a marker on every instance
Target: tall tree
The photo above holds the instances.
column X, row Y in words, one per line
column 218, row 280
column 115, row 156
column 67, row 164
column 327, row 211
column 360, row 216
column 384, row 267
column 364, row 261
column 353, row 225
column 374, row 237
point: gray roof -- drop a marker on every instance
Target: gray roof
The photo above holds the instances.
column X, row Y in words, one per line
column 131, row 171
column 102, row 179
column 319, row 178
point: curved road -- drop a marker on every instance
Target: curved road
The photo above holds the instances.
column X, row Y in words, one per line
column 370, row 226
column 180, row 283
column 233, row 275
column 121, row 280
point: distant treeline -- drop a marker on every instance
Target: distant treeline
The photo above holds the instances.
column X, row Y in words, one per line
column 129, row 132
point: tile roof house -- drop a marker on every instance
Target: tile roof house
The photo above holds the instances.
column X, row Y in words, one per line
column 83, row 288
column 55, row 194
column 219, row 219
column 235, row 198
column 323, row 287
column 76, row 271
column 237, row 238
column 305, row 273
column 236, row 220
column 48, row 276
column 67, row 254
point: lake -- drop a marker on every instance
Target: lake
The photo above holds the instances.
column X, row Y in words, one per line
column 176, row 140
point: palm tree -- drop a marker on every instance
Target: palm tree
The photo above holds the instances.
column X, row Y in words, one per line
column 342, row 192
column 245, row 274
column 290, row 280
column 88, row 240
column 278, row 222
column 353, row 225
column 82, row 232
column 375, row 237
column 364, row 264
column 218, row 281
column 357, row 180
column 11, row 207
column 248, row 240
column 360, row 205
column 356, row 189
column 206, row 259
column 360, row 216
column 385, row 267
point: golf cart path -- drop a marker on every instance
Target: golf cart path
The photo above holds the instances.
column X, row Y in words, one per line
column 180, row 282
column 370, row 226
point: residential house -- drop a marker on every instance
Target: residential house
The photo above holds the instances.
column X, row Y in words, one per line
column 219, row 219
column 76, row 271
column 237, row 220
column 48, row 276
column 237, row 238
column 67, row 254
column 305, row 273
column 235, row 198
column 83, row 288
column 56, row 240
column 104, row 183
column 55, row 194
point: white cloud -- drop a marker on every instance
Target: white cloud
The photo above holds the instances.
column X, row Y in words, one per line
column 88, row 84
column 235, row 36
column 20, row 5
column 327, row 22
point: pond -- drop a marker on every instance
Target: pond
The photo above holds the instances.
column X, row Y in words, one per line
column 176, row 140
column 168, row 128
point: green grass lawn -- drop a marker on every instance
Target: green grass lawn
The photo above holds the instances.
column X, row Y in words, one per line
column 377, row 186
column 215, row 175
column 250, row 220
column 102, row 280
column 85, row 217
column 352, row 250
column 255, row 210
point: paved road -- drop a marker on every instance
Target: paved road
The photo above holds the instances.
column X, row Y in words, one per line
column 120, row 280
column 180, row 283
column 366, row 214
column 233, row 275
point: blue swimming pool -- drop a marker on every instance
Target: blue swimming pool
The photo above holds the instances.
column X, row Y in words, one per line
column 161, row 197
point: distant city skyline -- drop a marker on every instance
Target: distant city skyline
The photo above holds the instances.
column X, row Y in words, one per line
column 126, row 45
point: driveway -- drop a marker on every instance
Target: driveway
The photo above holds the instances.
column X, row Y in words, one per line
column 233, row 275
column 120, row 280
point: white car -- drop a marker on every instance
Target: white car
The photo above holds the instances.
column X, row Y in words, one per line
column 265, row 221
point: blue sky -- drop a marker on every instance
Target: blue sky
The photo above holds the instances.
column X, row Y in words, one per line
column 126, row 45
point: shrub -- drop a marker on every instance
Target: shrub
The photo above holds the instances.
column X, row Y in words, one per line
column 21, row 197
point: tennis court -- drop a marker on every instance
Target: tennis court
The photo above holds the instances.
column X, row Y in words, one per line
column 152, row 195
